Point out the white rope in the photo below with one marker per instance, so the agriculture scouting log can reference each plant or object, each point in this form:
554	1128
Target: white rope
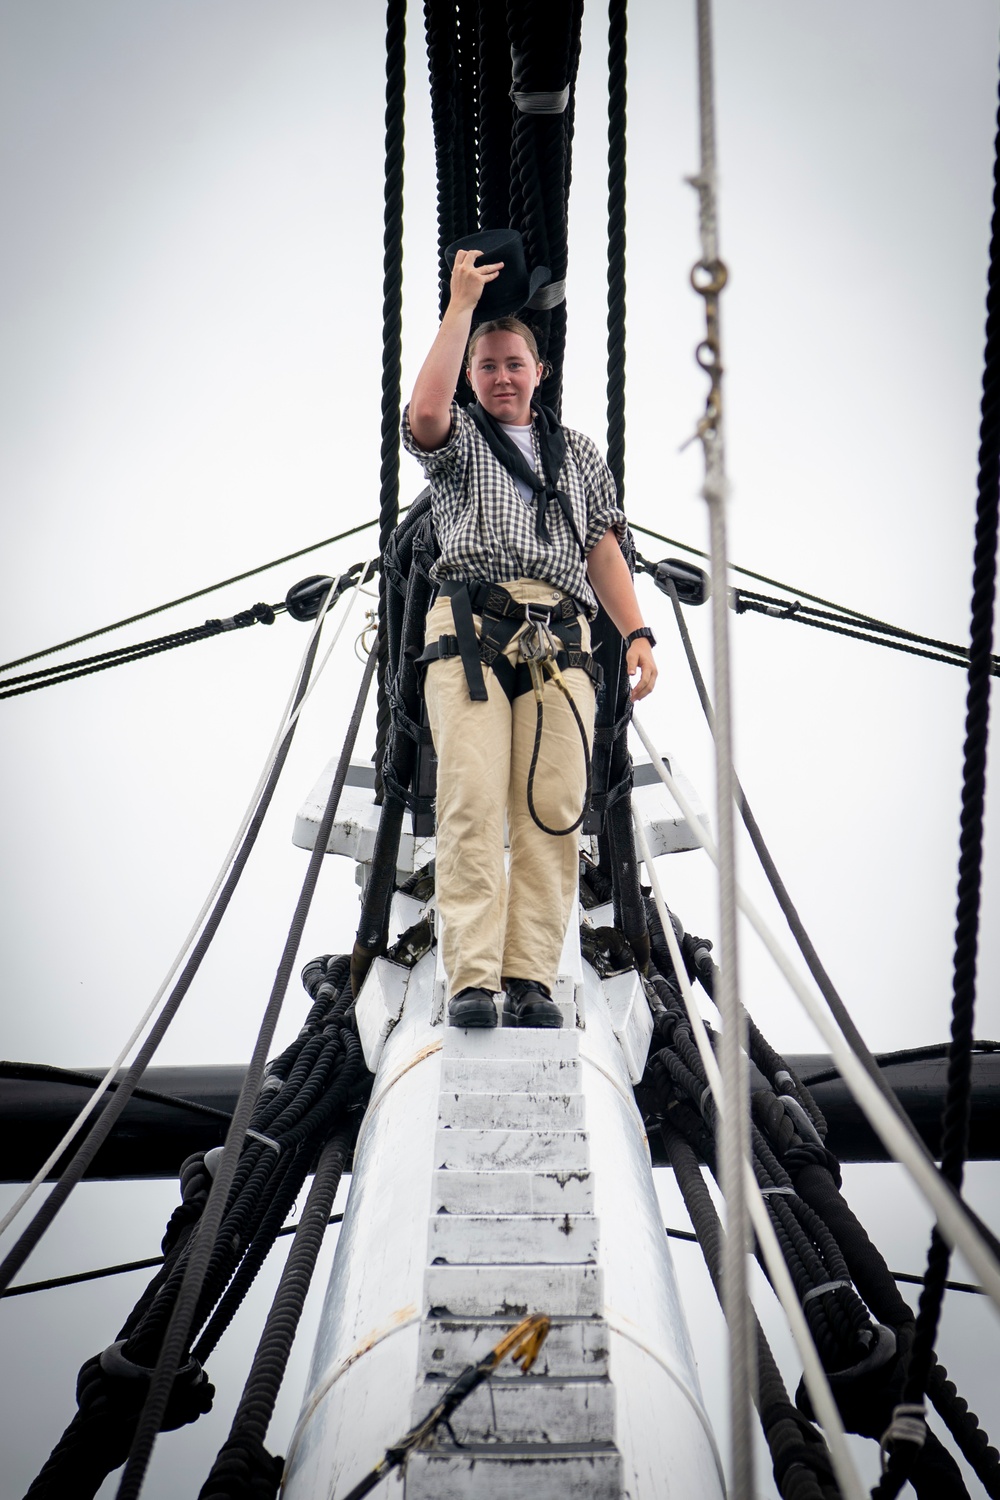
288	718
709	278
952	1219
817	1384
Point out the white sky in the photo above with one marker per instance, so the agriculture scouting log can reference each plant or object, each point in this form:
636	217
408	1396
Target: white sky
190	285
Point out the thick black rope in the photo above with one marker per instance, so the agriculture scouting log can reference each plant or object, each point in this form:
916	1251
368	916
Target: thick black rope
176	1335
392	333
108	1118
496	114
898	640
241	1461
617	102
955	1120
13	687
159	609
802	1467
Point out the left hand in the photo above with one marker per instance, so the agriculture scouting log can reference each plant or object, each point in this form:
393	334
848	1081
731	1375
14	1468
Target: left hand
639	658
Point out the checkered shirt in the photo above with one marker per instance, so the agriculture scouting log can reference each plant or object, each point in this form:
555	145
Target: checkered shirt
485	530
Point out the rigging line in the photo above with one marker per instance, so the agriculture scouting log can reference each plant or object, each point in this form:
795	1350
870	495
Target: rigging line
841	617
708	277
77	1277
123	655
952	1215
955	1117
279	748
103	1126
178	1329
763	578
743	605
789	910
158	1260
815	1376
392	342
158	609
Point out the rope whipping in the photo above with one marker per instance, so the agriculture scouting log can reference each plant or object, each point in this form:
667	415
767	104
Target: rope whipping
101	1129
175	1337
392	337
159	609
617	120
902	1448
708	278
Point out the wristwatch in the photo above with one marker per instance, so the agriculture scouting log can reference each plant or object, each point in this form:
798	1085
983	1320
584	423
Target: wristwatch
643	630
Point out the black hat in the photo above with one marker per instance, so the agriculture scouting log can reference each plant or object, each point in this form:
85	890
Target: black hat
514	288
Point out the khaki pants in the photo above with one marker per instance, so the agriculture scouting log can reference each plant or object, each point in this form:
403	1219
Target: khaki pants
492	931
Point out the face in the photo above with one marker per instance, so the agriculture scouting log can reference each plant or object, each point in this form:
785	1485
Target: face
504	377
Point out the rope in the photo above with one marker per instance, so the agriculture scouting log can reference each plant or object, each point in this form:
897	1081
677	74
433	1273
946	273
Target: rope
289	717
955	1121
176	1335
617	116
701	1053
159	609
793	1433
86	1153
901	1144
778	609
239	1460
102	1272
392	333
843	609
69	671
708	278
813	962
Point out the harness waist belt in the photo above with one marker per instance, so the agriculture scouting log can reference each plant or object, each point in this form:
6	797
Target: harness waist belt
502	616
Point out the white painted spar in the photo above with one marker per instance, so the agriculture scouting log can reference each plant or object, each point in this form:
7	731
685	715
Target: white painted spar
500	1173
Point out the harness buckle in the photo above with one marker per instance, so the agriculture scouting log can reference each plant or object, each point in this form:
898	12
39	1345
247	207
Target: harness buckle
543	615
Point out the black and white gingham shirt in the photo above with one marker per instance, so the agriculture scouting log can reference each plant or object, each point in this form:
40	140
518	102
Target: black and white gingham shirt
484	528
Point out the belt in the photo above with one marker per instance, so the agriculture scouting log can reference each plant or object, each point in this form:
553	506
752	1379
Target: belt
502	615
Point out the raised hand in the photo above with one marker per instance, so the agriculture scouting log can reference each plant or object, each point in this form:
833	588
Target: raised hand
468	279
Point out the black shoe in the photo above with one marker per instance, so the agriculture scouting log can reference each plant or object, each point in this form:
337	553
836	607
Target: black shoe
472	1008
528	1003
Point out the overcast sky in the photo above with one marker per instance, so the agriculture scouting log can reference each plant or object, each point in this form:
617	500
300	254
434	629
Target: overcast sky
190	297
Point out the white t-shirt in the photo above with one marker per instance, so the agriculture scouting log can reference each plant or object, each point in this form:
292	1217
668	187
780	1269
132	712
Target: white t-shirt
521	438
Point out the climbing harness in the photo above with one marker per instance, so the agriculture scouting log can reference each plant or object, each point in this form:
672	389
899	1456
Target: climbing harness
550	642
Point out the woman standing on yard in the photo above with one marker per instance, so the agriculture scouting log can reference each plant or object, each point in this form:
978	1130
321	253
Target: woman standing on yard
528	528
